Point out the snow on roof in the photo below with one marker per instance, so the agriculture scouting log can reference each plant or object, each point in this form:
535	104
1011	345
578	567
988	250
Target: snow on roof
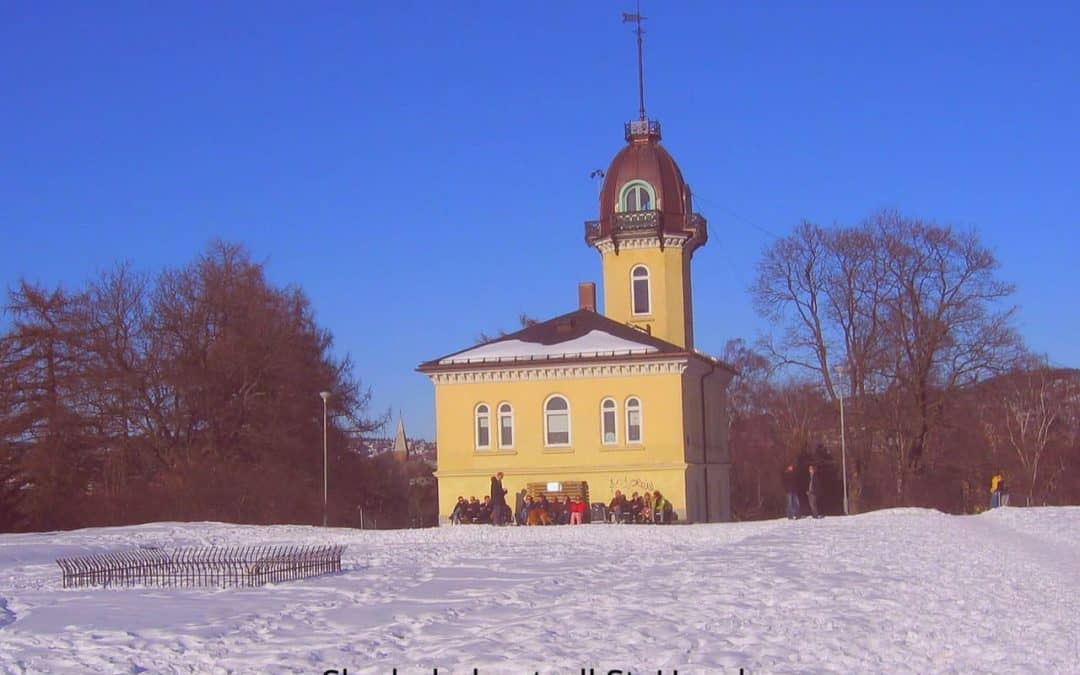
593	343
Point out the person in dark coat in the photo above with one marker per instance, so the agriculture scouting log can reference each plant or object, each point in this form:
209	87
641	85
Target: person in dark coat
460	509
484	517
498	500
791	488
637	505
618	507
520	512
813	490
472	512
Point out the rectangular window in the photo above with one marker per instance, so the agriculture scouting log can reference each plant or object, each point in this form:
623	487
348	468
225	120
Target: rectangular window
483	432
633	426
609	427
558	429
641	296
506	431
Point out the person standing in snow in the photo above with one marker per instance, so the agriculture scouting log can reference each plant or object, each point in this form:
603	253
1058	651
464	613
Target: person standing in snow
791	488
577	511
999	496
566	511
519	506
617	507
498	500
813	489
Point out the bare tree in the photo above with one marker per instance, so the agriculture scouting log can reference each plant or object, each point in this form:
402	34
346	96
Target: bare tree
1026	413
910	309
792	290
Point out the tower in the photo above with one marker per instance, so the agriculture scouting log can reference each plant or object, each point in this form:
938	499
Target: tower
647	232
401	442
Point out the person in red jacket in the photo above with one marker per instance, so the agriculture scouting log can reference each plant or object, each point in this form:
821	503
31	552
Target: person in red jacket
577	511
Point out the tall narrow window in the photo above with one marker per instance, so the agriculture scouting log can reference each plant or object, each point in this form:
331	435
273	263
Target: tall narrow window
556	421
506	426
637	196
639	283
608	419
483	427
633	420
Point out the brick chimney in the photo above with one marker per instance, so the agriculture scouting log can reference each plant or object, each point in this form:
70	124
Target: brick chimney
586	293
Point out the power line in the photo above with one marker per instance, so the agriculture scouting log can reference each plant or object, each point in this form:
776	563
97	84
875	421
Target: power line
736	216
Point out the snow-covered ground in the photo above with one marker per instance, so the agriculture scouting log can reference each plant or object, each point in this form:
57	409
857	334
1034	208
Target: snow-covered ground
906	590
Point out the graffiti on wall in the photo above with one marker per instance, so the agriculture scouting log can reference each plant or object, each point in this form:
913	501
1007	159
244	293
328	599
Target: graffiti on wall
630	484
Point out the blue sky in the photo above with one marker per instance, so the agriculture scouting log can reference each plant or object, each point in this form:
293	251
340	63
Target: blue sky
421	169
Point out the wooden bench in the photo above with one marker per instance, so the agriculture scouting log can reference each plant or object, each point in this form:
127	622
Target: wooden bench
576	489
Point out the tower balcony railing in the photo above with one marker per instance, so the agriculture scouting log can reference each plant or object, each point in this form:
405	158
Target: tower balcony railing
643	222
592	231
695	222
630	222
641	128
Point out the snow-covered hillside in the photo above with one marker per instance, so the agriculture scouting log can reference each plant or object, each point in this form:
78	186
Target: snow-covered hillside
894	591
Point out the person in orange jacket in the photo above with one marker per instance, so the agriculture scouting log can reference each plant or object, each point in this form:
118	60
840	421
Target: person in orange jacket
996	482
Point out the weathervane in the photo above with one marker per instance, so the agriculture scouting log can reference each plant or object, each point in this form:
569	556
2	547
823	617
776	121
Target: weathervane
637	18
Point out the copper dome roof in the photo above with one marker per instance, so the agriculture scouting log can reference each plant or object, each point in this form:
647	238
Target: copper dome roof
644	159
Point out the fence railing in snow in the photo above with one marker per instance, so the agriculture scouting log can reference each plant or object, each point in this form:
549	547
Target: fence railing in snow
200	567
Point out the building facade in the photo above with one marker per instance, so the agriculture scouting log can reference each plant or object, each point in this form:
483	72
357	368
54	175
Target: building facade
618	400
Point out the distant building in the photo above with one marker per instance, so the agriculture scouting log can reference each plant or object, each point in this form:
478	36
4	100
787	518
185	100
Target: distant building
619	400
401	444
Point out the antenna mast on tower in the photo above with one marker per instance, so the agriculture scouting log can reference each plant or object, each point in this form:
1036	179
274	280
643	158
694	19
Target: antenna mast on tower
637	18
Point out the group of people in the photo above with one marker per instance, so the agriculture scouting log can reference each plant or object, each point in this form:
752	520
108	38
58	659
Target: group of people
492	510
644	508
544	511
472	510
792	489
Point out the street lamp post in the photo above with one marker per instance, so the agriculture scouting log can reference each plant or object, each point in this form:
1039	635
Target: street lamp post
326	395
843	443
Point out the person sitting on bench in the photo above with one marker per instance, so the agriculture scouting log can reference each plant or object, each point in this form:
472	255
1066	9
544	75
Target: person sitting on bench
662	508
540	514
637	504
459	511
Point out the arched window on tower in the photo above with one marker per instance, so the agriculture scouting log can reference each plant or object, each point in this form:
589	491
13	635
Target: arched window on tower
637	195
483	427
556	422
640	290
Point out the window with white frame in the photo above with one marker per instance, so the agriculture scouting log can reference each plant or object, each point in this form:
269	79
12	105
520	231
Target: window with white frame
483	427
633	420
637	195
609	416
506	426
641	290
556	421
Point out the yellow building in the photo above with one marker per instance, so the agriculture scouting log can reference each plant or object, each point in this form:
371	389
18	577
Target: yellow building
618	400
